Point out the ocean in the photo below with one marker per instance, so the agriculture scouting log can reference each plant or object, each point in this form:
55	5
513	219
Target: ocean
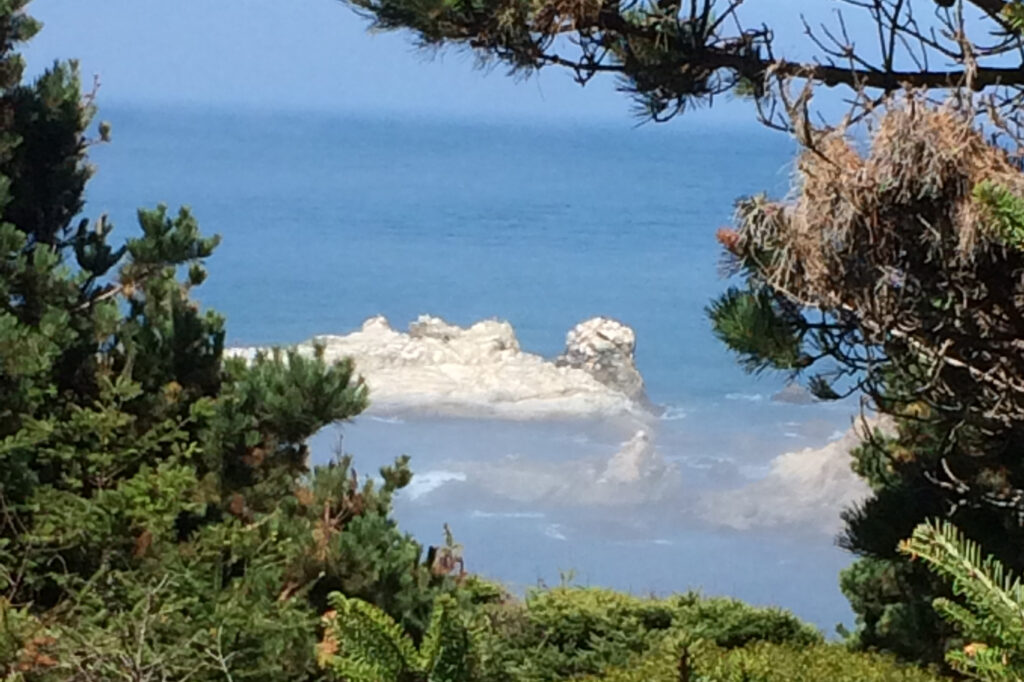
330	219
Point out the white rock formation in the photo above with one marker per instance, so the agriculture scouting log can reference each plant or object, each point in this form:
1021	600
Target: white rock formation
439	368
804	489
605	348
636	461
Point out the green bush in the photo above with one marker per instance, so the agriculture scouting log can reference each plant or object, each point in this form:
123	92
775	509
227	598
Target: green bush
593	634
675	661
567	631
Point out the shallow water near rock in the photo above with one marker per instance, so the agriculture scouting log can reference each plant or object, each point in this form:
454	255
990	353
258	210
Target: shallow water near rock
525	501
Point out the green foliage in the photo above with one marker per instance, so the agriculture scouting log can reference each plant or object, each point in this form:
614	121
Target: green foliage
686	660
989	609
896	267
1013	11
892	596
1006	212
572	633
594	634
564	632
749	324
159	516
363	644
893	602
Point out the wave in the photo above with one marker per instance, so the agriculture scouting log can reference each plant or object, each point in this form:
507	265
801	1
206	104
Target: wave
429	481
806	488
749	397
477	514
673	413
385	420
554	531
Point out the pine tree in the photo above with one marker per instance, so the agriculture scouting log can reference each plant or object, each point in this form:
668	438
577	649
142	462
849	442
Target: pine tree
672	57
158	515
895	274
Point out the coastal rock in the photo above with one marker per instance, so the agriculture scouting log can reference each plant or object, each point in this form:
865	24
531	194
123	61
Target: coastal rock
605	348
803	489
794	394
636	461
635	475
480	370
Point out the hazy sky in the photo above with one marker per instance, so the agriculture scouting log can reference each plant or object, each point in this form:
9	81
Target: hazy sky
306	54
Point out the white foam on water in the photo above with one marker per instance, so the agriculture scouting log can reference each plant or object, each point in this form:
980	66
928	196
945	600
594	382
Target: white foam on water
749	397
673	413
478	514
429	481
554	531
805	489
384	420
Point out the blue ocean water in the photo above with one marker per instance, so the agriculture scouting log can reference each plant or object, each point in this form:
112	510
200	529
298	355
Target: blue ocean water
328	220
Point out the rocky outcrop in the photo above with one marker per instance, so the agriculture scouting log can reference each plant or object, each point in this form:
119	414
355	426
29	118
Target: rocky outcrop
804	489
637	461
794	394
605	348
635	475
480	370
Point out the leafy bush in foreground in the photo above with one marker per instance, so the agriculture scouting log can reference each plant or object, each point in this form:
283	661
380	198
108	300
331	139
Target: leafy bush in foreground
564	633
567	631
674	661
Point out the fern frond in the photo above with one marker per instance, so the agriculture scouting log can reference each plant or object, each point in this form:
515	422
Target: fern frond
984	582
445	649
984	663
969	625
364	644
371	646
993	616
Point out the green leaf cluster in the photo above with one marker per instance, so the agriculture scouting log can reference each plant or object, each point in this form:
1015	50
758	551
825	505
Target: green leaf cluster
988	608
748	322
363	644
1006	212
686	660
566	632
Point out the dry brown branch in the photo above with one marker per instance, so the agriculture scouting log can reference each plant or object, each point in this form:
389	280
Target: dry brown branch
893	246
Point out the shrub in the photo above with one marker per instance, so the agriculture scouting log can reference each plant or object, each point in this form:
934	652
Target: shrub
676	661
567	631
